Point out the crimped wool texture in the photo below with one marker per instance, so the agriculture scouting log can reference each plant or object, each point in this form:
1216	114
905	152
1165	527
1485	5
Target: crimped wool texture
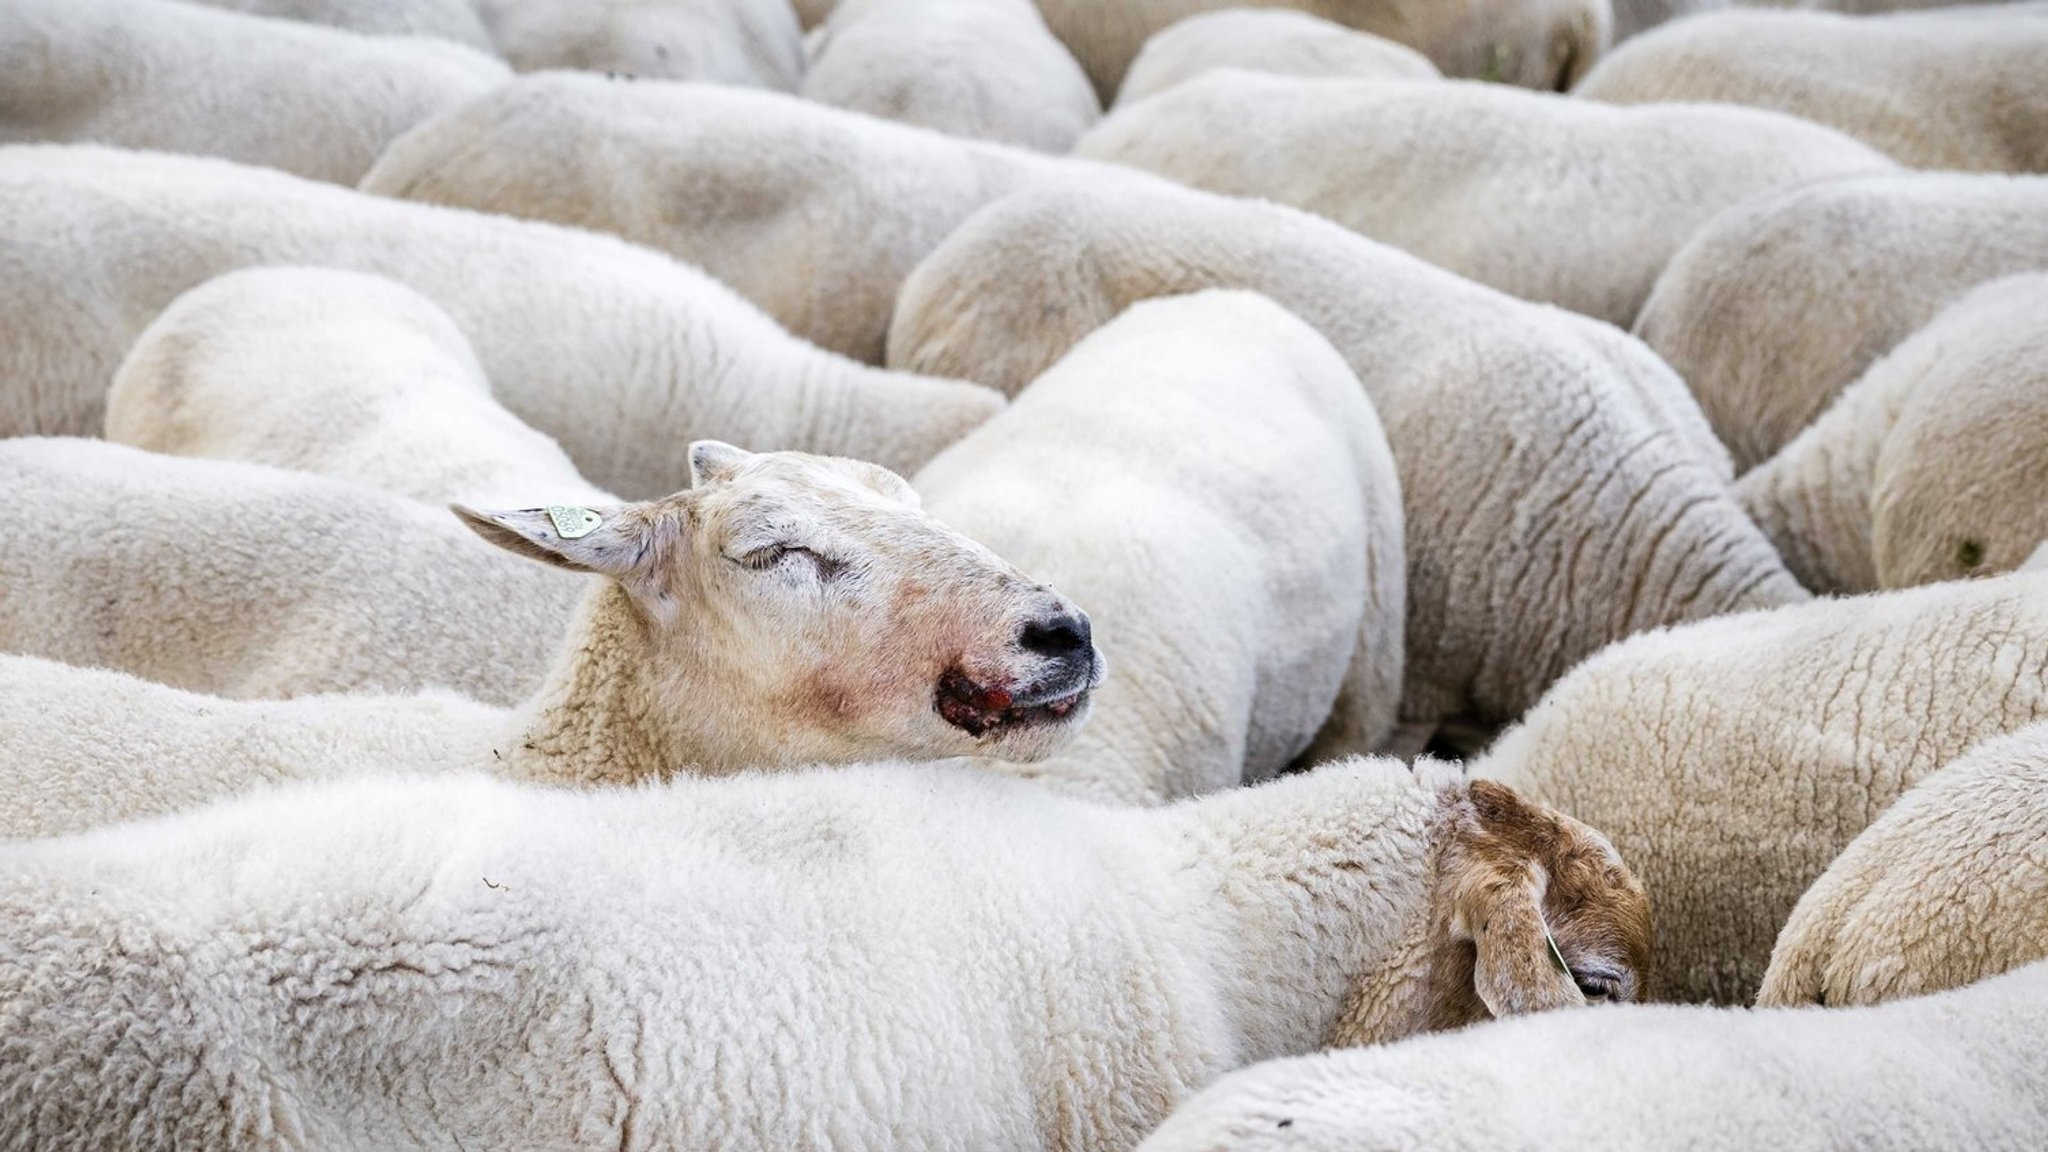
1930	467
1551	199
748	43
1532	43
1778	305
1934	91
986	69
340	373
245	581
1560	488
1949	886
621	355
1958	1070
1279	41
1206	476
814	213
880	958
317	102
1733	760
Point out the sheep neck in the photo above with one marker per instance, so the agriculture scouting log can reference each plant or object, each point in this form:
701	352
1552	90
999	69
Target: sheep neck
597	719
1332	925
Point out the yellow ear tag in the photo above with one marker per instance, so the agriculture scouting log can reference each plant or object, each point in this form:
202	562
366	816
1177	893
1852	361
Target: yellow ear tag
572	523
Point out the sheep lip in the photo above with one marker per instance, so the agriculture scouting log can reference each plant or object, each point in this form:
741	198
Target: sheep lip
981	711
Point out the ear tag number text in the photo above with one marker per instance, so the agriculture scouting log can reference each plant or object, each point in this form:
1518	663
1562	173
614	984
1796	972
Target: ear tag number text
572	523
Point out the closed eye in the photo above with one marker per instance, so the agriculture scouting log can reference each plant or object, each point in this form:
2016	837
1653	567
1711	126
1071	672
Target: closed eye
1598	986
762	559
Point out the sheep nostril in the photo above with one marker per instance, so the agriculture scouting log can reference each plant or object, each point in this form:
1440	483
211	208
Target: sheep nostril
1062	635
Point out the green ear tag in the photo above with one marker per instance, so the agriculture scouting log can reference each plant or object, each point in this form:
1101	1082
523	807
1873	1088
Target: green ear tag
1556	956
572	523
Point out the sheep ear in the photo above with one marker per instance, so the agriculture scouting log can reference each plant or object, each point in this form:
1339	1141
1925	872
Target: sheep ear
1499	887
1519	968
712	461
613	542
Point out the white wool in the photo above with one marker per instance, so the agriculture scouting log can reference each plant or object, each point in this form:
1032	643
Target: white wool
443	19
1206	476
1733	760
750	42
1634	17
1560	488
986	69
1959	1070
1961	92
814	213
1928	468
884	957
1949	886
1532	43
339	373
621	355
244	581
1280	41
1467	175
755	43
785	610
313	101
1777	305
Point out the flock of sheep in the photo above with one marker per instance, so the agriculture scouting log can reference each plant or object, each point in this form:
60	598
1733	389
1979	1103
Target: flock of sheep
477	675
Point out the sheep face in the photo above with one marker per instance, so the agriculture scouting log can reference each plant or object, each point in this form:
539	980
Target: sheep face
831	618
1533	911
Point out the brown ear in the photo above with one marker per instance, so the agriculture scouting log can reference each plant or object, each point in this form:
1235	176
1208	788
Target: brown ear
1518	968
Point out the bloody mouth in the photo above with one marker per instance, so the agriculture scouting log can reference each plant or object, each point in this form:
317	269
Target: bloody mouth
978	711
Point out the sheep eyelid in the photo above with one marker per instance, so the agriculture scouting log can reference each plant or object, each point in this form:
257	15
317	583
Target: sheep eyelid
764	558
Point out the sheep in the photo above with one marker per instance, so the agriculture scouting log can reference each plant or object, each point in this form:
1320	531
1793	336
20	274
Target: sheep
1532	43
878	957
755	43
1966	93
1277	40
813	213
749	42
245	581
1931	467
1779	304
986	69
1559	487
313	101
1205	474
334	372
1444	171
1732	760
454	20
1632	18
1960	1070
619	354
785	610
1949	886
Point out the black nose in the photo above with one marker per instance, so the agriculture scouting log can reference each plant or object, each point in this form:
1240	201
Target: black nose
1063	635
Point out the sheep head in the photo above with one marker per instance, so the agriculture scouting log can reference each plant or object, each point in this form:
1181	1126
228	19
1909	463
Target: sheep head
804	609
1533	910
